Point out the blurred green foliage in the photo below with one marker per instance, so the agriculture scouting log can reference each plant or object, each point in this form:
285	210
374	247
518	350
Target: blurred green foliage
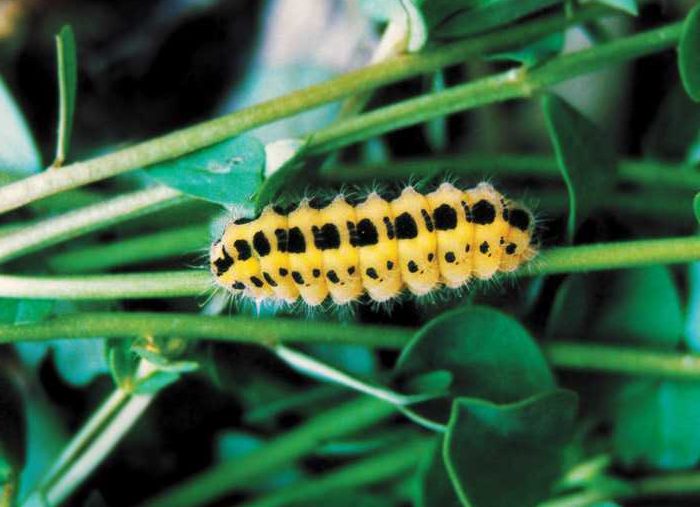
489	423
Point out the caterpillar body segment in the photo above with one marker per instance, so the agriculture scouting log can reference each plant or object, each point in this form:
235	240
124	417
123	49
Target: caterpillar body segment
339	251
378	249
270	244
454	235
305	256
341	256
415	235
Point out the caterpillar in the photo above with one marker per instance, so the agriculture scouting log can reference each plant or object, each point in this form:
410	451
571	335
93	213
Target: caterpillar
341	250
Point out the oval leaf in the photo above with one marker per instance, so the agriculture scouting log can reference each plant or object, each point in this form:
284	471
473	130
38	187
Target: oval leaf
226	173
689	54
520	445
434	485
696	206
585	159
488	355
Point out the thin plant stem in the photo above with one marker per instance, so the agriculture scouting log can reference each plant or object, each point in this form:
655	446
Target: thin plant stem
604	256
236	474
236	328
93	442
516	83
83	220
636	172
574	259
104	441
170	243
134	285
369	471
271	331
199	136
674	484
86	433
623	360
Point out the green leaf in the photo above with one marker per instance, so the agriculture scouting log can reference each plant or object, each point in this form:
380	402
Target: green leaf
585	158
18	153
505	455
571	309
628	6
696	206
67	89
227	173
675	128
437	381
534	53
155	382
434	484
642	307
656	424
123	363
689	54
489	355
461	18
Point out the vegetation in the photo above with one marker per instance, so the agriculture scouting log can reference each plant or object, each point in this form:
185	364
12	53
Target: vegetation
125	380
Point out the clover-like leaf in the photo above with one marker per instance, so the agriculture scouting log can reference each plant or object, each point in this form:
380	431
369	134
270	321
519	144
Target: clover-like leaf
485	353
521	445
227	173
585	158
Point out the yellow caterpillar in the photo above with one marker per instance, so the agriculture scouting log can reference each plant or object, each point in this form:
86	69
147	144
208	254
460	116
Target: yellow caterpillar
378	247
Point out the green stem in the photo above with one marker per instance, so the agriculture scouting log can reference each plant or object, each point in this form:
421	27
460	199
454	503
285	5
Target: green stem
148	247
130	286
622	360
199	136
672	484
636	172
83	220
269	331
629	254
575	259
516	83
237	474
352	477
236	328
